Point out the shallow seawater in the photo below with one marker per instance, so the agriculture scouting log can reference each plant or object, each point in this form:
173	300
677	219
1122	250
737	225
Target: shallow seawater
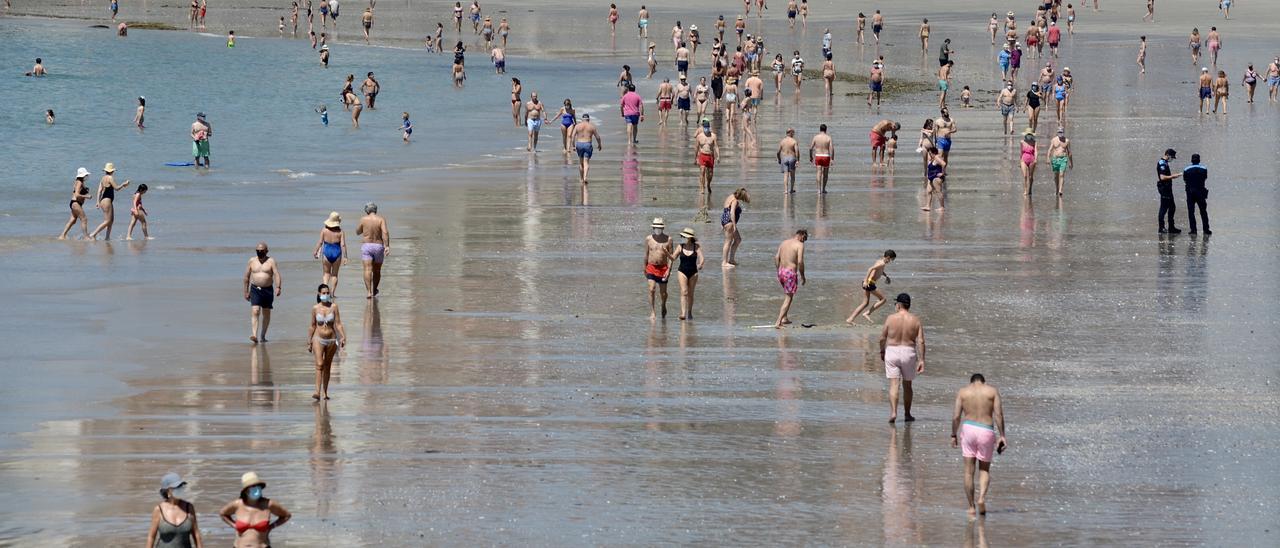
508	387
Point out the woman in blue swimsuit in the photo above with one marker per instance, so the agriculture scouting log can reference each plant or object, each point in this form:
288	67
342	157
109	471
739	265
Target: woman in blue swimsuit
568	117
332	246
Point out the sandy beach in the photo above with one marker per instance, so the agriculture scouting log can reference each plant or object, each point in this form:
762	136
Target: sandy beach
507	387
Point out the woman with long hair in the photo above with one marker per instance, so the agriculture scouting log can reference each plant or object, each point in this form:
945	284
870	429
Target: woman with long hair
729	218
324	338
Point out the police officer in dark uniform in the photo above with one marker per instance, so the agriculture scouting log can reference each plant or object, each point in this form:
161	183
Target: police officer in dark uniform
1164	185
1195	176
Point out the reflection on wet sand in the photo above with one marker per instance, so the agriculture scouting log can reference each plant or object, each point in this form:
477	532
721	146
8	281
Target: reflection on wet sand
900	486
262	391
325	469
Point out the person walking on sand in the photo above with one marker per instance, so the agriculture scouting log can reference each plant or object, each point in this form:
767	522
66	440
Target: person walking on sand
1164	186
79	193
325	336
689	259
1206	91
138	214
977	428
657	265
250	514
632	108
822	152
534	117
1215	44
1059	158
642	21
1008	100
665	99
1250	81
789	260
262	284
902	349
173	522
729	217
707	147
1028	161
875	82
367	20
107	188
333	247
374	247
582	133
788	153
201	131
1194	177
869	288
1221	87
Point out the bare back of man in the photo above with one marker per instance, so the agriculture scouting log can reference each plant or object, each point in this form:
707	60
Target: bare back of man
977	427
902	348
376	244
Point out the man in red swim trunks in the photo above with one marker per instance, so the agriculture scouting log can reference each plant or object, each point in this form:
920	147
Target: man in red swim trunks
821	152
657	265
708	149
790	263
666	92
879	136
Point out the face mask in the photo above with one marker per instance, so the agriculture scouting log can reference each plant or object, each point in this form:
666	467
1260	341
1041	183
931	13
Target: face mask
179	492
706	130
262	255
326	298
255	493
657	231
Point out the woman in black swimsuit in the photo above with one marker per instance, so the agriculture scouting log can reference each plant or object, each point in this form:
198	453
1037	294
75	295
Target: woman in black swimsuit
729	217
79	193
688	257
107	188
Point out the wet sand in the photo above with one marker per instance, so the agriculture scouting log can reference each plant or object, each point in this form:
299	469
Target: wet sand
507	389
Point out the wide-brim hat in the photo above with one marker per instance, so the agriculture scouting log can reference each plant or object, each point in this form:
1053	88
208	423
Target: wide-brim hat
250	479
334	220
688	233
658	223
82	173
109	168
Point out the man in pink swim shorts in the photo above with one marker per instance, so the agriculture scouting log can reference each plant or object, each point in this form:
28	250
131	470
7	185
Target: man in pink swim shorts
789	261
977	418
374	248
902	350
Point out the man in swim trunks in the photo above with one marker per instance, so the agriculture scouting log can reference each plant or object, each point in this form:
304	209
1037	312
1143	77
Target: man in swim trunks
755	85
533	119
977	427
1273	78
943	128
707	147
1059	156
1007	100
902	349
200	133
788	152
877	25
944	83
879	137
582	133
822	151
643	22
375	247
260	277
875	82
665	95
1164	186
869	288
682	59
683	103
367	20
1206	91
789	261
657	264
632	108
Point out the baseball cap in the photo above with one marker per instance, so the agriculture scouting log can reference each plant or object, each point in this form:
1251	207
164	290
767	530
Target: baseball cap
171	481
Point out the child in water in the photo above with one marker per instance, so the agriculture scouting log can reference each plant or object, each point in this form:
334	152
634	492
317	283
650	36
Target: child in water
965	97
323	111
231	38
406	126
891	149
139	214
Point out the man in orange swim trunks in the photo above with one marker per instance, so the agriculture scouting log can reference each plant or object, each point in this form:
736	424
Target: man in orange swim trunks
821	152
708	148
657	264
879	137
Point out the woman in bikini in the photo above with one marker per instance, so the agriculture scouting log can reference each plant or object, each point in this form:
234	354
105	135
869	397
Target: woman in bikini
926	142
516	88
333	247
613	18
79	193
324	338
173	521
688	258
250	514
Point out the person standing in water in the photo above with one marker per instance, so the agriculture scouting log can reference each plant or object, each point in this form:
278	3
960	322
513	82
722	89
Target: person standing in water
658	249
582	134
370	88
262	284
977	428
332	246
1059	158
79	193
324	337
374	247
880	137
788	153
107	188
689	259
632	109
568	117
822	152
139	116
138	214
707	147
250	514
902	349
789	260
356	107
729	217
534	116
869	288
200	133
173	521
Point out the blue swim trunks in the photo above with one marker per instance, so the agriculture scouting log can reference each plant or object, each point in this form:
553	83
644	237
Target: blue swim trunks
584	149
944	143
633	119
